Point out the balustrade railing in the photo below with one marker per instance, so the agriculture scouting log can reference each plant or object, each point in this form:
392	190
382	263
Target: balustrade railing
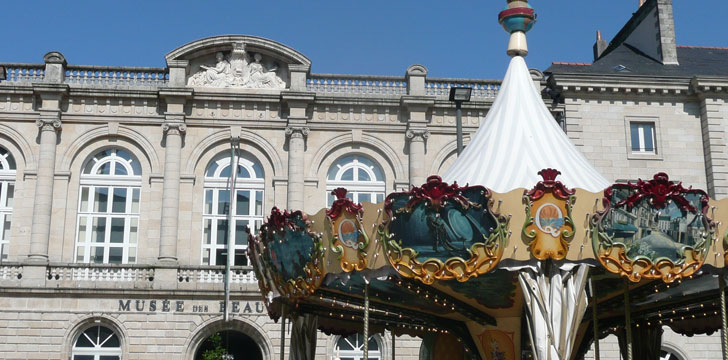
100	272
215	274
23	73
11	272
105	76
356	84
487	89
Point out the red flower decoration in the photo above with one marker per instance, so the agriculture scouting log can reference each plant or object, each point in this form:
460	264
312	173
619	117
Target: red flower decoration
659	190
342	203
437	192
549	183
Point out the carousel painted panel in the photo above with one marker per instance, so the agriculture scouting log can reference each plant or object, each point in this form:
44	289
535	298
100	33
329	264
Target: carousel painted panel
442	232
653	229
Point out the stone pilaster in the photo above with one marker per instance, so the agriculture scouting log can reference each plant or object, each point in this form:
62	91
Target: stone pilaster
296	148
296	132
417	168
174	128
713	124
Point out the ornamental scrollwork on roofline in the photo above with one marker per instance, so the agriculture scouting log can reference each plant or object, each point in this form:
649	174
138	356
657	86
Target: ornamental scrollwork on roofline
240	69
653	229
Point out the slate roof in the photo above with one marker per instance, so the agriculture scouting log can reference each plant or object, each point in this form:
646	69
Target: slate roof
694	61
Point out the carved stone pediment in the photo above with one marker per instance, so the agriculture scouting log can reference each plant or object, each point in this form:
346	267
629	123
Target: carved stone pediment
240	62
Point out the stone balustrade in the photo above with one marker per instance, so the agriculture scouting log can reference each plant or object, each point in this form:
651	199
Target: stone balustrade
100	272
11	271
215	275
105	76
482	89
23	73
356	84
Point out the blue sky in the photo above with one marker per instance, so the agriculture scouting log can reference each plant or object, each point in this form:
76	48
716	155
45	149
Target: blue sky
453	38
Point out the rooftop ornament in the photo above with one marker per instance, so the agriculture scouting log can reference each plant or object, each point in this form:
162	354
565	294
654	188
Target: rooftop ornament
518	19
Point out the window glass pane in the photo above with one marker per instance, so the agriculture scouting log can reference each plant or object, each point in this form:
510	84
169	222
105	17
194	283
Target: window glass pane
98	229
649	131
330	200
241	236
350	195
5	231
83	357
135	200
222	231
133	230
132	255
83	341
101	196
80	253
117	230
258	170
220	256
108	357
365	197
118	204
206	257
225	173
84	199
380	198
363	175
211	169
223	202
119	169
208	202
115	255
241	259
3	251
259	203
373	344
243	173
136	167
82	224
348	175
635	133
207	231
242	205
104	169
9	200
97	254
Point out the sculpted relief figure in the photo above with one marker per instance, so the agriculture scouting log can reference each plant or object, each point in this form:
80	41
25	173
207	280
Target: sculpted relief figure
238	71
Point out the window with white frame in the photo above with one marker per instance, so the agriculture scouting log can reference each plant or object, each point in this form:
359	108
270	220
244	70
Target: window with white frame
247	207
97	343
352	348
108	210
361	177
642	136
7	193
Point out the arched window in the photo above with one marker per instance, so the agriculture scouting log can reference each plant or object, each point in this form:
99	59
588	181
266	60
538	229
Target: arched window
7	193
247	209
352	348
97	343
362	177
667	354
108	210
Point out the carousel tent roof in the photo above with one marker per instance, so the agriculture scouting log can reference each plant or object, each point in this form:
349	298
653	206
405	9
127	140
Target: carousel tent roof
518	138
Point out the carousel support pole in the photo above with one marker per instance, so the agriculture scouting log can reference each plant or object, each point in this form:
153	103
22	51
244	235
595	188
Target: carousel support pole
393	353
283	331
627	320
366	320
723	318
594	320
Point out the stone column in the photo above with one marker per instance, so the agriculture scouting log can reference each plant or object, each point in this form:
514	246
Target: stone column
173	129
50	94
49	123
417	172
296	147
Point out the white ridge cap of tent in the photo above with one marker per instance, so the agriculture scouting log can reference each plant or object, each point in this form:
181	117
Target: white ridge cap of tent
519	138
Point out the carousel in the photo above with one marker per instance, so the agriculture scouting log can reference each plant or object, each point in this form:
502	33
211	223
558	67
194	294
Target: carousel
521	251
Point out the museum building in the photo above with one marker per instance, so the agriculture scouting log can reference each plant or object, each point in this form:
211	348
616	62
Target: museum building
115	200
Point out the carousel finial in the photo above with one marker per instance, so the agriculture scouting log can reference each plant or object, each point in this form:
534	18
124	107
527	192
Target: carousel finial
518	18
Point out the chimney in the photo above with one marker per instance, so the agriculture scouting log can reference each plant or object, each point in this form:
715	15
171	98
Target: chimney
667	32
599	46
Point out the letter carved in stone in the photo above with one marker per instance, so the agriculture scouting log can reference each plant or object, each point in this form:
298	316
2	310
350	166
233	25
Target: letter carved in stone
240	70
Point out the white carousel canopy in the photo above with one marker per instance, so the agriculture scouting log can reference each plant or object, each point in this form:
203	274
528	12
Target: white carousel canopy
518	138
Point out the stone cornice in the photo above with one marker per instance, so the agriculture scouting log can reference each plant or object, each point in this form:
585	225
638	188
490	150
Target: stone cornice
410	101
293	96
611	84
185	93
710	85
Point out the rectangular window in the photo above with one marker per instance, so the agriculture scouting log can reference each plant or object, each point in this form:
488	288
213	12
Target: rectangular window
642	136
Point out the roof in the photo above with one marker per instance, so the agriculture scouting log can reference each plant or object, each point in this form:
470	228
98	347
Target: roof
518	138
694	61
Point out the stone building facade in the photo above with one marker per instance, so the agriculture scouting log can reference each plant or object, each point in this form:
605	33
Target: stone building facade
115	188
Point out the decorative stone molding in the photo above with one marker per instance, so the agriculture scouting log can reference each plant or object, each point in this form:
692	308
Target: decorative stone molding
49	122
297	131
417	134
174	128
